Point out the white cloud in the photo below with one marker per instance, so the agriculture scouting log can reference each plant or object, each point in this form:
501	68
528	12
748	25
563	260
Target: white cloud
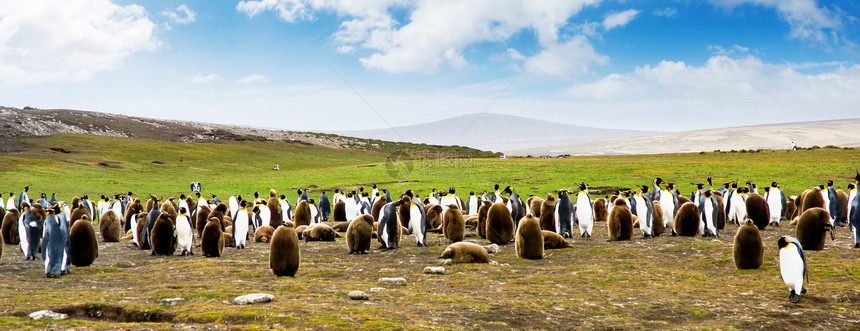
201	79
345	49
726	91
665	12
68	40
181	15
437	31
515	55
574	56
808	21
252	79
619	19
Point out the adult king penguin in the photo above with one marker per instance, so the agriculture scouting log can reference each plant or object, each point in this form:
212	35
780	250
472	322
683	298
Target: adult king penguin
792	266
515	205
775	198
564	214
854	209
389	227
835	210
645	212
53	244
325	204
184	234
668	202
584	211
417	219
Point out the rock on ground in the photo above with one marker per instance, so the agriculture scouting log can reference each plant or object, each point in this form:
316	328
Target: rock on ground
47	314
358	295
392	281
253	298
434	270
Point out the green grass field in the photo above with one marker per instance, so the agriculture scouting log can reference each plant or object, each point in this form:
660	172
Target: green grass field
665	282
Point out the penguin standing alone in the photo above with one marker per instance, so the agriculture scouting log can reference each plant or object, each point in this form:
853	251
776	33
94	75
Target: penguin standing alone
775	198
792	266
584	211
184	234
325	206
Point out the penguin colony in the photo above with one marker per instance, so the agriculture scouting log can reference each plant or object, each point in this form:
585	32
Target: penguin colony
63	235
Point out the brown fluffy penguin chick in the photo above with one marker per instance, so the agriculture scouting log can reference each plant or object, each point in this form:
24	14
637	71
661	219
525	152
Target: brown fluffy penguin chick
277	215
339	212
483	210
300	230
471	222
812	199
342	226
620	222
500	225
359	233
83	242
219	213
657	227
529	239
721	215
790	208
843	206
375	209
302	215
10	227
687	220
162	239
453	224
109	226
434	216
202	218
547	213
141	225
600	211
264	234
748	248
77	214
552	240
812	228
319	232
535	204
466	252
284	255
169	208
758	211
212	241
682	200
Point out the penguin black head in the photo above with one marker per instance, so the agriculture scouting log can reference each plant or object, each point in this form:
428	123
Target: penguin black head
349	195
658	180
353	192
197	194
26	188
710	182
385	190
508	189
583	186
410	194
181	196
708	193
214	196
361	188
850	186
735	184
243	204
644	188
336	191
471	193
829	183
256	195
299	191
726	185
745	190
699	186
857	177
263	202
374	186
773	184
282	197
311	201
86	196
365	194
782	242
238	197
451	190
426	201
44	195
129	193
182	210
497	186
821	187
767	189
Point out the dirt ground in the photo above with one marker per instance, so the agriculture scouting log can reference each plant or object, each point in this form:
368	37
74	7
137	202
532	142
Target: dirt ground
663	282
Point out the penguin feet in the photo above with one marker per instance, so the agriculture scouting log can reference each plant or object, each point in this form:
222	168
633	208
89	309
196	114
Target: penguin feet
794	297
646	236
420	244
839	224
774	224
803	291
582	235
588	235
66	272
51	275
857	245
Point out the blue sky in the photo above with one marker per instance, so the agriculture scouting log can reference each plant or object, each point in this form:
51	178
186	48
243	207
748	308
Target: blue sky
668	65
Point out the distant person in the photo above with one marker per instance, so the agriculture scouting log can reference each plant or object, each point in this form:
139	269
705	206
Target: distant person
193	187
793	146
199	187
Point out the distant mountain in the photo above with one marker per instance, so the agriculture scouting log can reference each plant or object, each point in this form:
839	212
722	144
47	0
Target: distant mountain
841	133
495	132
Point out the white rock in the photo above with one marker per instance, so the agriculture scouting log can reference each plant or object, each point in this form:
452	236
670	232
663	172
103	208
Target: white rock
358	295
446	261
494	263
172	301
392	281
377	289
253	298
493	248
434	270
47	314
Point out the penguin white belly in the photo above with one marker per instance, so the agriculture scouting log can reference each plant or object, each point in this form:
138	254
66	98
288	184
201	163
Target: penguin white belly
22	234
826	197
473	205
557	220
739	208
266	215
642	214
584	214
10	204
667	203
415	223
774	203
184	204
352	210
791	268
117	209
234	206
240	228
133	224
102	207
510	208
184	237
286	213
709	220
314	213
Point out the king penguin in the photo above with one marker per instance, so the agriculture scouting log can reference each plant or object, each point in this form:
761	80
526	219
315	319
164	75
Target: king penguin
775	198
417	219
668	202
710	210
389	227
645	212
835	210
240	226
53	244
564	214
515	205
792	266
325	204
184	234
584	211
472	204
